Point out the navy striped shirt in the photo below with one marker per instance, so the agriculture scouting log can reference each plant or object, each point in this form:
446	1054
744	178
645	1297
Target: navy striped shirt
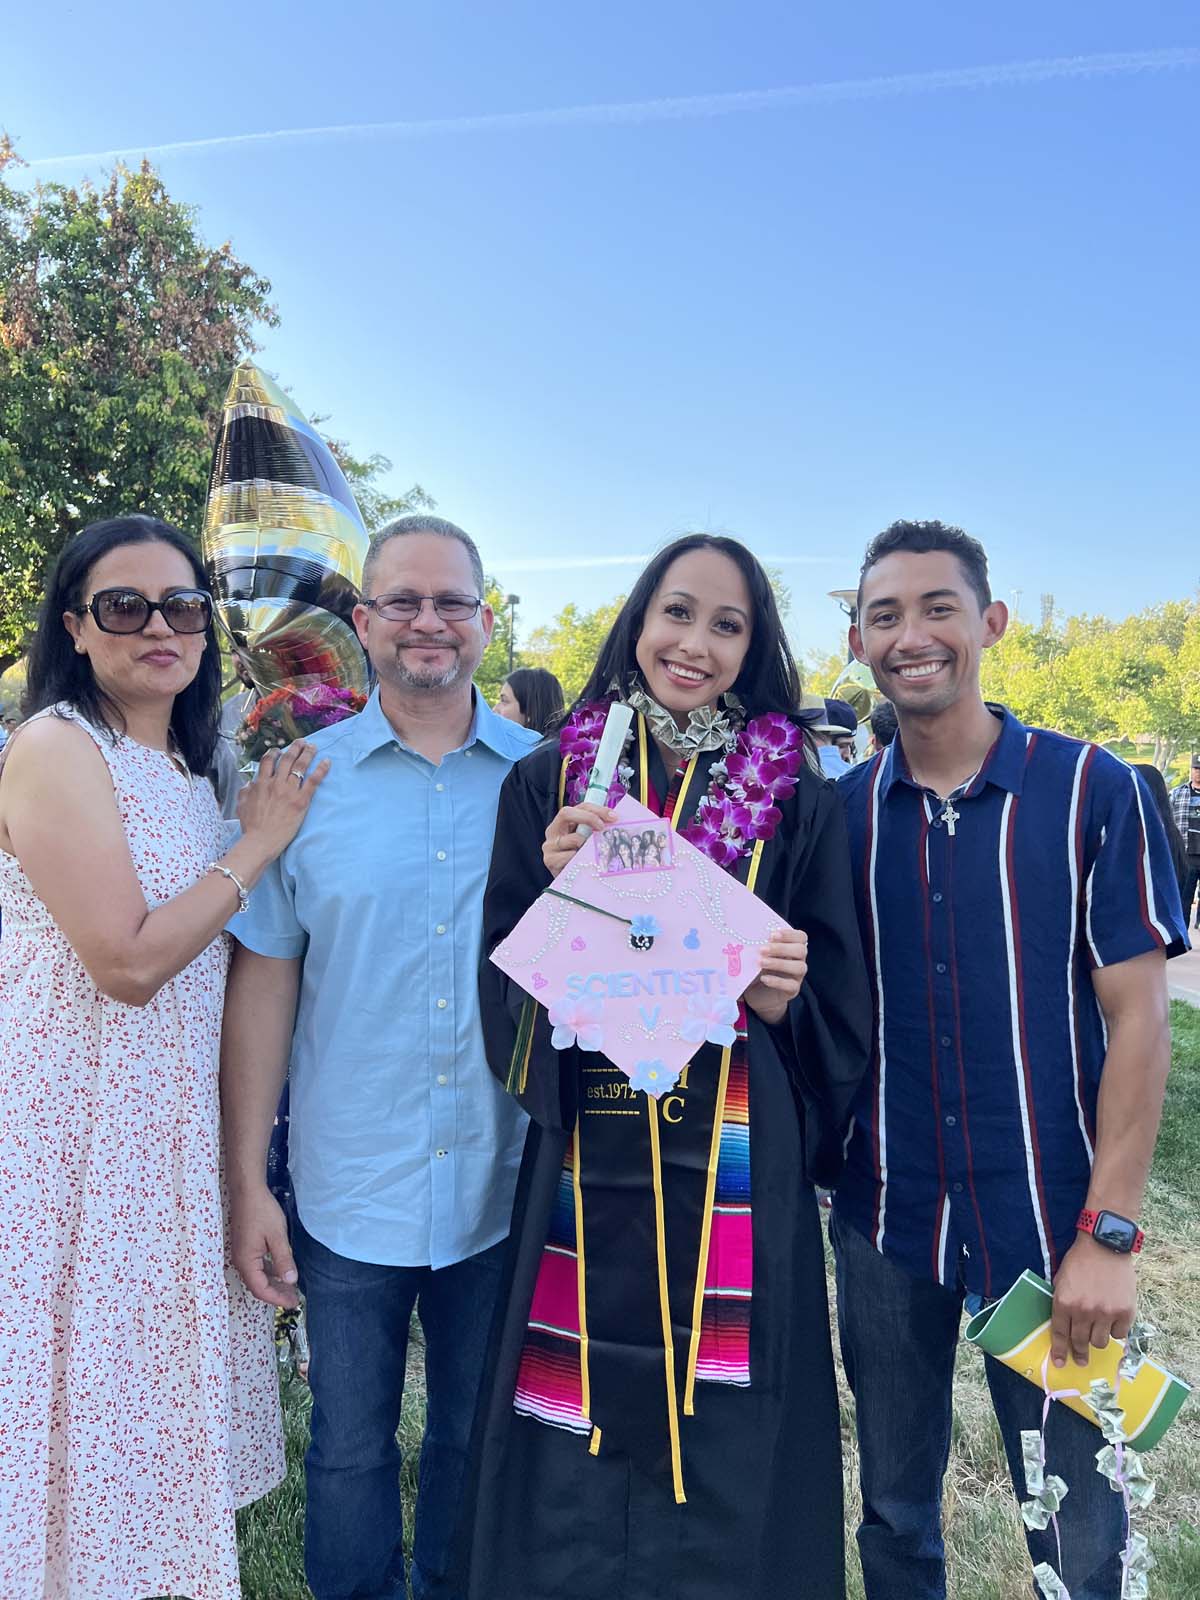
972	1141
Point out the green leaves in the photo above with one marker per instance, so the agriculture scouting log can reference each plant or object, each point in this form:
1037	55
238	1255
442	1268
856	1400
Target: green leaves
1104	680
119	327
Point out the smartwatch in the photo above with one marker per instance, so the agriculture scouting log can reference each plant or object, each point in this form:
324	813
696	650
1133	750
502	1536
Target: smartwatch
1113	1231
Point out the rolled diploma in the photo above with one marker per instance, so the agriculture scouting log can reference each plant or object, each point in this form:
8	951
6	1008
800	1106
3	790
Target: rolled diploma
608	753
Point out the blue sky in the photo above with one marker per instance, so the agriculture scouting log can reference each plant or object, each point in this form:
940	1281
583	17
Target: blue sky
926	296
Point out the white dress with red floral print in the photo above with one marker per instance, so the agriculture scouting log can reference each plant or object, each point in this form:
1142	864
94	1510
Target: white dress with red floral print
138	1396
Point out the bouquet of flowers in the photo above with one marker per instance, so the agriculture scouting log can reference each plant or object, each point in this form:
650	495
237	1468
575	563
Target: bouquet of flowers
294	712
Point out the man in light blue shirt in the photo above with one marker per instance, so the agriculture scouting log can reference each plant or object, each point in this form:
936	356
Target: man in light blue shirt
358	961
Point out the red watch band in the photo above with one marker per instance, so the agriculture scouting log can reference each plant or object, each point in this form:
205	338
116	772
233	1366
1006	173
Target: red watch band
1087	1224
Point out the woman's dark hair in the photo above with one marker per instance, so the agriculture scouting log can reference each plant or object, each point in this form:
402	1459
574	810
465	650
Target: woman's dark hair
1157	785
768	680
58	672
539	695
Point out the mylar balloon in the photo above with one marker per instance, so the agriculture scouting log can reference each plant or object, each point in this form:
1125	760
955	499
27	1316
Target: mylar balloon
284	542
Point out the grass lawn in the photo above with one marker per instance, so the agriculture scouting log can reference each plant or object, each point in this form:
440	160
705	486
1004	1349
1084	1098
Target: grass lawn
983	1529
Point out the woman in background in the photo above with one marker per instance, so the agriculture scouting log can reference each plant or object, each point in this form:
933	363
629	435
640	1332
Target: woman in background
1157	785
533	697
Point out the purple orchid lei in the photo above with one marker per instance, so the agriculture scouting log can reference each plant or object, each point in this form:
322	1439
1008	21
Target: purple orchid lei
740	806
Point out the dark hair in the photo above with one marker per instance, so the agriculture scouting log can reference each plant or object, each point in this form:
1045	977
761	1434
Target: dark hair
57	672
883	723
1157	785
768	680
539	695
922	537
421	522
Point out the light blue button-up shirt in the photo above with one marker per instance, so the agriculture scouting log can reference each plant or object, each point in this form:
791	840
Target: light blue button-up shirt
403	1147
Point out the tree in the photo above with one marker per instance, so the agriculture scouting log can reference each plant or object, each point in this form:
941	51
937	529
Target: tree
119	328
1110	681
493	669
820	669
568	647
376	505
12	689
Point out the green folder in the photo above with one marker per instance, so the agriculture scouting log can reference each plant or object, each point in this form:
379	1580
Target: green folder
1016	1331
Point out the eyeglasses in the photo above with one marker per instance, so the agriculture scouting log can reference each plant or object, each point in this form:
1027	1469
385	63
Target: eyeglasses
407	607
128	611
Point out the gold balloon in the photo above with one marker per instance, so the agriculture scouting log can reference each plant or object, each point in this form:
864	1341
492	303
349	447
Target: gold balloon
284	542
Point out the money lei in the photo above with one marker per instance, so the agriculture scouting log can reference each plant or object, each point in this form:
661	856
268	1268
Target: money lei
1122	1466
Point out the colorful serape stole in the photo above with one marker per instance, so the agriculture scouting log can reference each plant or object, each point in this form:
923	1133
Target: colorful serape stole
549	1384
550	1378
724	1353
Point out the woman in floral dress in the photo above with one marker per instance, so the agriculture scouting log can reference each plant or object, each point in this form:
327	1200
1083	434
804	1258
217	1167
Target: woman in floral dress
615	1463
138	1401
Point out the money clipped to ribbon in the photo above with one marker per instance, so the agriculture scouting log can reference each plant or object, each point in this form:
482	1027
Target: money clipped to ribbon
640	949
283	542
1016	1331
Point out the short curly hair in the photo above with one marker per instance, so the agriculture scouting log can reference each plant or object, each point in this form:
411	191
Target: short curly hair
921	538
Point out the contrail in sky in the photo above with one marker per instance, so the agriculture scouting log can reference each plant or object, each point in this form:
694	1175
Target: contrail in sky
582	563
631	113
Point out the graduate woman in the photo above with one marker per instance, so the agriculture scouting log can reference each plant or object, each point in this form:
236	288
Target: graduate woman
612	1462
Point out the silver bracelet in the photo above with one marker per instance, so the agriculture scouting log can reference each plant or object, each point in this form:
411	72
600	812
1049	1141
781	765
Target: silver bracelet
243	893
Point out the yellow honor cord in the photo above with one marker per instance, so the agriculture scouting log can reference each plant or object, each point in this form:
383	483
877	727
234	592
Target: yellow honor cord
665	1304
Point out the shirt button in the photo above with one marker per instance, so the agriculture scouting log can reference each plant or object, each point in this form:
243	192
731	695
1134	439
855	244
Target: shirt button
941	967
441	1154
950	1121
442	1078
944	1041
957	1186
441	1005
937	899
439	787
441	928
441	855
468	754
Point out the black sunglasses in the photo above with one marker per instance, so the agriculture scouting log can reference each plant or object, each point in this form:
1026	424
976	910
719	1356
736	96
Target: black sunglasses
128	611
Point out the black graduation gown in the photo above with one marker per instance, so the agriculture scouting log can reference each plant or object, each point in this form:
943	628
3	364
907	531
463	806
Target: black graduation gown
763	1515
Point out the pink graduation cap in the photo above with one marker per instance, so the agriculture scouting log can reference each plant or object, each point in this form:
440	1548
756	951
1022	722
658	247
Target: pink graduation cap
640	949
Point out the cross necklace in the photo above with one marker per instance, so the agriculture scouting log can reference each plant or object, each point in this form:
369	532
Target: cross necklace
949	816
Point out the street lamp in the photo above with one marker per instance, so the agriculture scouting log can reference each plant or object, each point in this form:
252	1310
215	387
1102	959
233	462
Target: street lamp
848	600
512	601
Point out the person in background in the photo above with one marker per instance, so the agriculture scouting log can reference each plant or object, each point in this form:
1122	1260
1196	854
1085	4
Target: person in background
1017	905
532	697
358	963
1185	808
1157	785
138	1395
833	734
883	726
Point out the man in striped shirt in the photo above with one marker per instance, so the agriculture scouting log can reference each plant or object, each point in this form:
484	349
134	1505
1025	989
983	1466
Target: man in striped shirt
1017	904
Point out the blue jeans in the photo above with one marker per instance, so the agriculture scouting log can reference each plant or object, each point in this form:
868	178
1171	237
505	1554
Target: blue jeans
898	1335
358	1318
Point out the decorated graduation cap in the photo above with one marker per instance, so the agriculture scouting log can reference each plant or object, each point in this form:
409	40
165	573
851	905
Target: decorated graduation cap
640	949
284	542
